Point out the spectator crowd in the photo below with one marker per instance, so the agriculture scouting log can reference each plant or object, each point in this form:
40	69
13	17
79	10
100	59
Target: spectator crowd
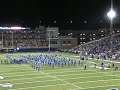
103	45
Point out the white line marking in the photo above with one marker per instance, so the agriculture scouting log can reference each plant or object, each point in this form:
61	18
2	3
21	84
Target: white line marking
97	81
102	86
58	75
76	56
37	86
62	80
65	84
69	71
41	74
50	72
20	72
65	69
36	81
12	67
25	75
86	77
74	74
48	76
65	79
96	87
23	70
24	78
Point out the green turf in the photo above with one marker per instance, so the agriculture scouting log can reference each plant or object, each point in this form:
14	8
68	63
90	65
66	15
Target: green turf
24	77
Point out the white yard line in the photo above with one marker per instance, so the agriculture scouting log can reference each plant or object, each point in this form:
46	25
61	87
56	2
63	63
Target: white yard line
55	80
12	67
24	75
74	68
23	67
74	74
68	71
44	74
35	82
63	69
86	77
60	75
24	70
24	78
51	75
37	87
97	81
40	73
62	80
102	86
61	72
18	72
96	72
76	56
73	84
97	87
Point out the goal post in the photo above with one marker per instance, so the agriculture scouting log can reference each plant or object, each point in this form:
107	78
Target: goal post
7	36
7	40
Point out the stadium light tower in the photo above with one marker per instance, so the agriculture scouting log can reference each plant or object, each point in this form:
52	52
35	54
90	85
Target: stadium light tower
49	41
48	34
111	15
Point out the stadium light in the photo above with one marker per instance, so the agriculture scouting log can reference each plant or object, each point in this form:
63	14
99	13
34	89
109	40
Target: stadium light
111	14
13	28
49	41
54	21
18	48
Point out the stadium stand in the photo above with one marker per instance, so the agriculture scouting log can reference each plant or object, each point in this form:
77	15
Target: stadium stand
102	45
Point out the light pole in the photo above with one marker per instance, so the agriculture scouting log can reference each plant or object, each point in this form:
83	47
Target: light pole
111	14
49	41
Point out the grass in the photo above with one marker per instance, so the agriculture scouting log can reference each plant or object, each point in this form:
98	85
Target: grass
24	77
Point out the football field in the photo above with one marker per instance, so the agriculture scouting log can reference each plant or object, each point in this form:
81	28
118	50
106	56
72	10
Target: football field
23	77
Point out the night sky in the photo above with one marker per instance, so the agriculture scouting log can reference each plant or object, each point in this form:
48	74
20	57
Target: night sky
84	14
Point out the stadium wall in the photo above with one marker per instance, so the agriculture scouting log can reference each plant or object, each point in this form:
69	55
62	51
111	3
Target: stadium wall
28	50
35	49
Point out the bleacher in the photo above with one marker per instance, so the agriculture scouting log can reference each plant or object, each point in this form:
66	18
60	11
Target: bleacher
102	45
